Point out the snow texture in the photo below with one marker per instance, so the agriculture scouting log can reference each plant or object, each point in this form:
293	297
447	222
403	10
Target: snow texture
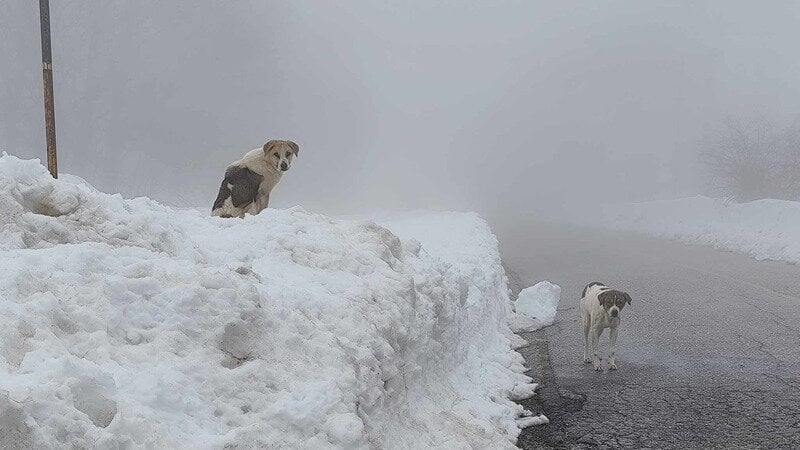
526	422
763	229
126	323
536	307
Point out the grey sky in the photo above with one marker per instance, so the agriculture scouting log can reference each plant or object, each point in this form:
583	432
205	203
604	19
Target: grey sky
500	107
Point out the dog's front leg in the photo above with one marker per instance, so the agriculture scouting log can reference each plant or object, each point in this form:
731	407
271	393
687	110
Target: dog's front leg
251	209
258	205
264	203
595	333
612	349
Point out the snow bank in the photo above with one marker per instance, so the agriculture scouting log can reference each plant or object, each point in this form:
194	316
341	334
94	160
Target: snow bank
764	229
128	323
536	306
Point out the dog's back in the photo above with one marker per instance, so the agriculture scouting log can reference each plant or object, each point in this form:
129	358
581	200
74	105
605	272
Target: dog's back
591	285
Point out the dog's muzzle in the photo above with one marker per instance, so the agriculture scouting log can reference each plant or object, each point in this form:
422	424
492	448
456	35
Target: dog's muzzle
614	313
284	167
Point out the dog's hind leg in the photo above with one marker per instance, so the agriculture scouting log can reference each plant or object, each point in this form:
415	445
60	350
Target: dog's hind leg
612	349
586	327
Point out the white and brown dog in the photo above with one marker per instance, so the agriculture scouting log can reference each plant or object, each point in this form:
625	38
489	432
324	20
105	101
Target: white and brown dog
249	181
600	308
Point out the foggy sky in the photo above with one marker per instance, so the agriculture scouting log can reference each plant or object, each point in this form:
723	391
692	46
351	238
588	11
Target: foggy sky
506	108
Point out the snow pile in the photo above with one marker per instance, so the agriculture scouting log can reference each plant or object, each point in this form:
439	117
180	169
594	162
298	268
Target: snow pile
764	229
128	323
536	307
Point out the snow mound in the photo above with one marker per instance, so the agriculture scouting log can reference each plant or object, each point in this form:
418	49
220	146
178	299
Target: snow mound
536	307
764	229
125	323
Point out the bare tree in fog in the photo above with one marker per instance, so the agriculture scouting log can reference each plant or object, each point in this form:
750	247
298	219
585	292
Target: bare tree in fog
755	159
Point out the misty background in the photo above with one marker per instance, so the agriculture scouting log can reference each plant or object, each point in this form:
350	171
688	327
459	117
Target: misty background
508	108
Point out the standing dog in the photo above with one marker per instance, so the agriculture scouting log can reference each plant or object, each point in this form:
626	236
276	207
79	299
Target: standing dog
600	308
249	181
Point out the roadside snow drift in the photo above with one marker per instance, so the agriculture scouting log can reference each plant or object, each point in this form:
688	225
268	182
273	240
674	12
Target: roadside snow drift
764	229
128	323
536	307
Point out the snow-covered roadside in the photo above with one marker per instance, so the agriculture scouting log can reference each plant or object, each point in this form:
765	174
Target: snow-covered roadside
764	229
125	322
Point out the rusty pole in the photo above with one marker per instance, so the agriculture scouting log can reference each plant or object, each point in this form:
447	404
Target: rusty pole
47	75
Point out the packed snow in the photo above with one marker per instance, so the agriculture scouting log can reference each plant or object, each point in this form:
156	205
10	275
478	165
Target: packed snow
129	323
536	307
763	229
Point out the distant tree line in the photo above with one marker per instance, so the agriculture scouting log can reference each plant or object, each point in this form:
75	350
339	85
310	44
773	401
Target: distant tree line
751	160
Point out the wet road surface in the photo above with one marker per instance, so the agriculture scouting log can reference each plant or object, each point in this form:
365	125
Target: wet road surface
708	351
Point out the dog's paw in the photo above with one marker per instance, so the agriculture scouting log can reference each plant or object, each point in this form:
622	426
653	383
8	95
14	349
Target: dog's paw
612	366
598	367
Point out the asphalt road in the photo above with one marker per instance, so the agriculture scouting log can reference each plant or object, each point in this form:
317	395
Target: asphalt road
708	352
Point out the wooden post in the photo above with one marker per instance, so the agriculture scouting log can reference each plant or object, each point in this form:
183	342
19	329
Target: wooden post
47	75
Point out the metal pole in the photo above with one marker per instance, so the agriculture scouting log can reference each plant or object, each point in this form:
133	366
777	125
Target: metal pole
47	75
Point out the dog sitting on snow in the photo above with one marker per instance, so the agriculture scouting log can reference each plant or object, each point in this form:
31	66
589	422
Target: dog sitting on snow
600	308
249	181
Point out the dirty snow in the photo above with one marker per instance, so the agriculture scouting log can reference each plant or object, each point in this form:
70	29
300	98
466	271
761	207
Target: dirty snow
129	323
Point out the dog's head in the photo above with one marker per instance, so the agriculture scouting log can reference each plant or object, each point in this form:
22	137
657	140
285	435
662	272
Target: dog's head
280	153
613	301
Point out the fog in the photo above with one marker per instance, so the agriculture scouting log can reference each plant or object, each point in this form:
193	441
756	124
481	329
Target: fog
511	109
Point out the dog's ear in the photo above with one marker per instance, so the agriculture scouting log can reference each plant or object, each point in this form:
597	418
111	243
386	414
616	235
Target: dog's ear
268	146
626	297
601	297
295	148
